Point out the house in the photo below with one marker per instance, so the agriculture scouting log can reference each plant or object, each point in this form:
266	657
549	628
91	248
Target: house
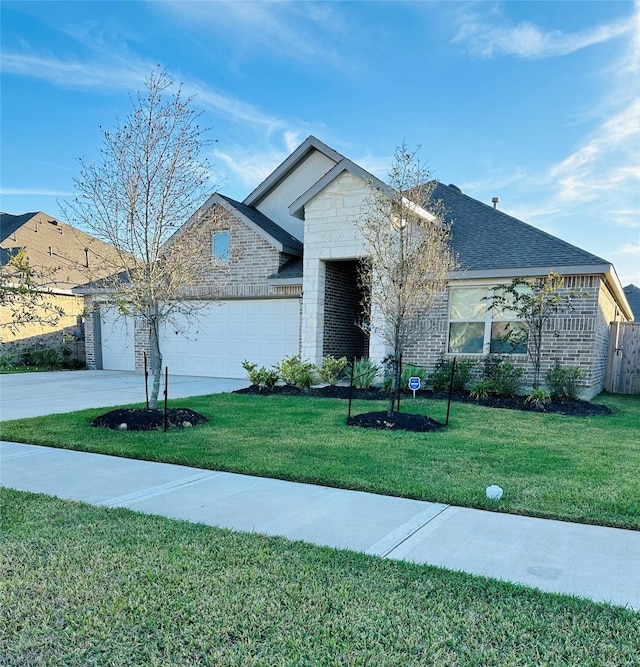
293	288
633	297
63	257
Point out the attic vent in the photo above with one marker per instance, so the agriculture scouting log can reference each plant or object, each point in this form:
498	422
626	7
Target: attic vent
456	188
495	201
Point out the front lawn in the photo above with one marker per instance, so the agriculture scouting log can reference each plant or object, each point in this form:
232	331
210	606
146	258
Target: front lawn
89	586
582	469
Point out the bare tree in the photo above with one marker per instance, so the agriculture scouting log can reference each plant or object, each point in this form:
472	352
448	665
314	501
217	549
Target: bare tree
147	181
409	259
25	293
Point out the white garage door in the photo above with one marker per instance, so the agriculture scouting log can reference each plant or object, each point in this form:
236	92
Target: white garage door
224	334
117	341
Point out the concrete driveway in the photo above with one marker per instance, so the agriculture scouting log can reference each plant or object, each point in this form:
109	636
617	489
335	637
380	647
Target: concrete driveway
35	394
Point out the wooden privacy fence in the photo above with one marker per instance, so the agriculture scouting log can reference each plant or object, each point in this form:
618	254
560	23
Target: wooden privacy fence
623	361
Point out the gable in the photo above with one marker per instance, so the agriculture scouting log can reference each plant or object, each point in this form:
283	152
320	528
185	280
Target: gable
304	167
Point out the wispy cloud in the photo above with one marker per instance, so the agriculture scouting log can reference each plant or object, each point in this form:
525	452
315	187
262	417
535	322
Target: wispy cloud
129	74
629	249
608	161
492	34
288	28
33	192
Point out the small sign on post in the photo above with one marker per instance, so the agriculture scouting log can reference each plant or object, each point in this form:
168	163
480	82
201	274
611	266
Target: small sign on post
414	385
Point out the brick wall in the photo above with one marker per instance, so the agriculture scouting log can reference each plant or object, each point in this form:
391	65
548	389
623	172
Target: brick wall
578	337
342	310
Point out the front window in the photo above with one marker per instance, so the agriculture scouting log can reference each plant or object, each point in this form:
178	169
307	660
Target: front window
220	247
476	328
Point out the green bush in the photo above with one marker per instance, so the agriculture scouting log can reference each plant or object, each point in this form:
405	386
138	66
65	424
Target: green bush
564	382
47	358
440	378
506	379
481	389
408	371
364	373
331	370
261	377
296	372
538	397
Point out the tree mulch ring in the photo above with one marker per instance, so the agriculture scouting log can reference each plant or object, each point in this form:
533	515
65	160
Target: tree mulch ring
145	419
399	421
571	408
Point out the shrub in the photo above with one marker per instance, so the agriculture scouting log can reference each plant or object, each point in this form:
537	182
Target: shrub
481	389
538	397
408	371
506	379
364	373
47	358
441	376
294	371
331	370
564	382
261	377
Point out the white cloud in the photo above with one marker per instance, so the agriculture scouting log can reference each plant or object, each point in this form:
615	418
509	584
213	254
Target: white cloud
607	162
129	74
33	192
495	35
291	29
629	249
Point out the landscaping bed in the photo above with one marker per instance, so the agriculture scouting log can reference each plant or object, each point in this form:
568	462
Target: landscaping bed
145	419
572	408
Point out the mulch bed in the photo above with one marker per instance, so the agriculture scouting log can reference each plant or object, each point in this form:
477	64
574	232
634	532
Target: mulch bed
399	421
144	419
572	408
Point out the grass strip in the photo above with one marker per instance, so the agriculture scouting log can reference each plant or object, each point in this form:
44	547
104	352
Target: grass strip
82	585
582	469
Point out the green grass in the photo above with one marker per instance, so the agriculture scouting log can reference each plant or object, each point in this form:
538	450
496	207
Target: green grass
85	586
571	468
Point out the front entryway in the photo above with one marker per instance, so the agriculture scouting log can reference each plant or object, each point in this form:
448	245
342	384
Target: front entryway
343	297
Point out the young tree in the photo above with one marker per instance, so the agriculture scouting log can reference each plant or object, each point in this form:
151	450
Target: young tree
534	301
408	260
24	292
146	182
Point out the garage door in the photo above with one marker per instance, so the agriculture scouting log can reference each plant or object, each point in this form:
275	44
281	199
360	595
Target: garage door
117	341
225	333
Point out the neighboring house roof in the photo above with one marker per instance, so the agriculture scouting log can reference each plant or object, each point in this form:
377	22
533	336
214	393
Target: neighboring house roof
485	239
289	243
9	224
633	297
63	254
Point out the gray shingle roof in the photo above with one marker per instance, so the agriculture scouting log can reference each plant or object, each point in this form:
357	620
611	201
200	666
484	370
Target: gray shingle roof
633	297
11	223
290	269
484	238
274	230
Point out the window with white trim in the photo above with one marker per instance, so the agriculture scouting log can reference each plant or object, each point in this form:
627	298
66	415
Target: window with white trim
220	246
476	328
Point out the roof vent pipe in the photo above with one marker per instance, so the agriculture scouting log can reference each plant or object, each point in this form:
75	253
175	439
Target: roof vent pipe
496	201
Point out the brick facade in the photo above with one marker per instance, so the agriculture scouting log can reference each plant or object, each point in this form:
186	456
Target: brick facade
343	312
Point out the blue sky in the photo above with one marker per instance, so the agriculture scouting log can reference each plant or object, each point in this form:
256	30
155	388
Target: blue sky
535	102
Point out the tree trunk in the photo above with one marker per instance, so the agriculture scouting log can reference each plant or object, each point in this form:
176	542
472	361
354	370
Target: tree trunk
395	385
156	363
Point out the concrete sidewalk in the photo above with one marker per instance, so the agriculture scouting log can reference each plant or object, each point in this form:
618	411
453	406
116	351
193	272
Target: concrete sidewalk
599	563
